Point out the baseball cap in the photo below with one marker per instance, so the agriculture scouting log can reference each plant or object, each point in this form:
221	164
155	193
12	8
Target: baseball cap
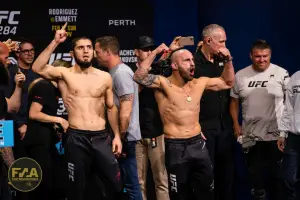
145	42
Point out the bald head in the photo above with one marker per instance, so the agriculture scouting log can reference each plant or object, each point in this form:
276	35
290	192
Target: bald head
182	62
177	54
4	53
3	48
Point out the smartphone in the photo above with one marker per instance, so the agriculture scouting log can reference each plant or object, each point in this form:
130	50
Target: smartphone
186	41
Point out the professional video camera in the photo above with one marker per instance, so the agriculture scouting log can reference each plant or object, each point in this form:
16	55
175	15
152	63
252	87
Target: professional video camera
161	67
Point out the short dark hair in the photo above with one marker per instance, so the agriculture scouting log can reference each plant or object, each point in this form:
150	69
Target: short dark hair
260	44
24	41
75	40
109	43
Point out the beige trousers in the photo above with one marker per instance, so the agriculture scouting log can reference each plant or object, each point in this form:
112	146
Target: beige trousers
157	161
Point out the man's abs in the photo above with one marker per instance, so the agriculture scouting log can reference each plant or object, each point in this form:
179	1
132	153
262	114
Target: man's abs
183	131
90	123
86	113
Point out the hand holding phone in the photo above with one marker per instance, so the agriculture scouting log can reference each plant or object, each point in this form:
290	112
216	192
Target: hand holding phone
186	41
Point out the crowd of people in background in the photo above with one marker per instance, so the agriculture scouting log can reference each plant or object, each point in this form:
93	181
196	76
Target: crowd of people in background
123	119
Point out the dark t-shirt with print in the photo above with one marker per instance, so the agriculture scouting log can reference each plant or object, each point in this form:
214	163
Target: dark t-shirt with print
45	94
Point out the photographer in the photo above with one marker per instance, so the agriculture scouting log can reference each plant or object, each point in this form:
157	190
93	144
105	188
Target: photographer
151	146
214	117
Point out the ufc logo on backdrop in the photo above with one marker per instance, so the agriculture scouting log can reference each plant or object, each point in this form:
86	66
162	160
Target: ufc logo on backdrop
257	84
9	16
13	60
63	56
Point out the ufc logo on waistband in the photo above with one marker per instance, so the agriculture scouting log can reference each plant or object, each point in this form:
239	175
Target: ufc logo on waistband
257	84
10	16
71	171
173	182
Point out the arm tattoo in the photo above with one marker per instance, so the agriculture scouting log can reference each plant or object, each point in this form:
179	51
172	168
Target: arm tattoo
126	97
8	155
142	77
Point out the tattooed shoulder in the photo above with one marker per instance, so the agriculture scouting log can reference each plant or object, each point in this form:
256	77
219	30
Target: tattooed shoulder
126	97
168	82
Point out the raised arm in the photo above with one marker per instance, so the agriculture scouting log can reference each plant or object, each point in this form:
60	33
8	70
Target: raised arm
40	65
14	102
226	80
142	76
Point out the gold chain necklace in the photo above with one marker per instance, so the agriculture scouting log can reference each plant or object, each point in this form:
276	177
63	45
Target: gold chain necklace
189	98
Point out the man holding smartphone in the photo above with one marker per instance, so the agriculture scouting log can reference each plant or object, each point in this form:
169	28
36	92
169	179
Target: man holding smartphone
214	117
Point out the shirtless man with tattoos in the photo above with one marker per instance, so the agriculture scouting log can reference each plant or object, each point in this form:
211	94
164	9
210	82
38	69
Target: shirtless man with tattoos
178	97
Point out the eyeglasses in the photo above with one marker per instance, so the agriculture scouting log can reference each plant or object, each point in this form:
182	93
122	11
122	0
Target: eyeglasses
26	52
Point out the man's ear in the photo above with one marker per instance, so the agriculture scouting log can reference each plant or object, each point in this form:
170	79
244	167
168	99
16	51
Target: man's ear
207	40
250	54
72	54
136	52
174	66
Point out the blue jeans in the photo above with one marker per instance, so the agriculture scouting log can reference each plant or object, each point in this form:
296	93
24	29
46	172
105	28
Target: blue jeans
291	162
129	172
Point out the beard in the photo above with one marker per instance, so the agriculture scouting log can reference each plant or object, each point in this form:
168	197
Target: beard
83	64
185	75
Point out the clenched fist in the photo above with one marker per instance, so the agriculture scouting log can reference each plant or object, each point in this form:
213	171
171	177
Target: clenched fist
161	48
224	53
12	45
20	79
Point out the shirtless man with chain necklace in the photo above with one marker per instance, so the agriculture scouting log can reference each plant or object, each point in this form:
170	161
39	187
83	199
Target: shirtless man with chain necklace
178	96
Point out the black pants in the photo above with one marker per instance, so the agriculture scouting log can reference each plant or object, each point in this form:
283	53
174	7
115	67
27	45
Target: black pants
220	148
44	155
264	162
189	168
290	165
89	153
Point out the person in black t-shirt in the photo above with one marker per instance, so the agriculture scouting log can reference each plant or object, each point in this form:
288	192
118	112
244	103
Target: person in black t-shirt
215	119
151	146
40	138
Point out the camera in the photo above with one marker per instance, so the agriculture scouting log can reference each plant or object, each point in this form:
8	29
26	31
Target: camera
161	67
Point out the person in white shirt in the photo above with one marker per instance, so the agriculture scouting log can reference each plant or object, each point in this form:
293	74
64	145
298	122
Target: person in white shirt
260	88
289	140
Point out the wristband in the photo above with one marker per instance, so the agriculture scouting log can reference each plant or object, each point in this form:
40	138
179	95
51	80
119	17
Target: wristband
282	134
228	60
